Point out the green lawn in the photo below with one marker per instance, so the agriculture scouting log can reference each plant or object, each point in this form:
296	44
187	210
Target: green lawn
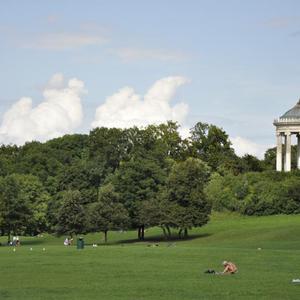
126	269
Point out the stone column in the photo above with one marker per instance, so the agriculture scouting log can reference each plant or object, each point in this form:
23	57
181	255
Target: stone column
287	165
279	152
298	151
284	152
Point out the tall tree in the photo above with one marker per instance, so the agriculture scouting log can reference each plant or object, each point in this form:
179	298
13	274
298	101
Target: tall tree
211	144
167	141
107	148
71	217
185	188
23	204
136	181
108	213
13	211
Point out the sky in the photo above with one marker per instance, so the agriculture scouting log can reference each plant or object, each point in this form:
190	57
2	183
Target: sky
70	66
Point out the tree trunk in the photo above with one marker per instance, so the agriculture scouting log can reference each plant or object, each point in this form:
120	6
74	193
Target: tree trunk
179	233
169	231
105	236
143	232
165	232
186	234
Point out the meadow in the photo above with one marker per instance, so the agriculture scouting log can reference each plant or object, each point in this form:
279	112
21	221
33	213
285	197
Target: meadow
265	249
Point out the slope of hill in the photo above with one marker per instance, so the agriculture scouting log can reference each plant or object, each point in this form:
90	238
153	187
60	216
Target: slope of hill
266	250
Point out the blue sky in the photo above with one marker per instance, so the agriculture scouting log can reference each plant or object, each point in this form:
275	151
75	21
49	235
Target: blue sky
239	61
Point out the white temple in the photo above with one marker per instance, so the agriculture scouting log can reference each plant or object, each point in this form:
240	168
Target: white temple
286	125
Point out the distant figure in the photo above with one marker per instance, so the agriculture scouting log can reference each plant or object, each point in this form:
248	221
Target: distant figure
18	243
66	242
14	241
229	268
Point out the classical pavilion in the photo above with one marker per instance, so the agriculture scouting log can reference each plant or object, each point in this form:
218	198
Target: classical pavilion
286	125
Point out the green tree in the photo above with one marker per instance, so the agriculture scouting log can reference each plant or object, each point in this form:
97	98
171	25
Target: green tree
107	148
256	193
23	205
108	213
167	141
252	163
8	157
53	209
185	187
13	212
34	193
79	176
211	144
270	158
71	217
136	181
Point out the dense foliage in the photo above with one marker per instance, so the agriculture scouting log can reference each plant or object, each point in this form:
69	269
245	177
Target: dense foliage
109	179
136	178
254	193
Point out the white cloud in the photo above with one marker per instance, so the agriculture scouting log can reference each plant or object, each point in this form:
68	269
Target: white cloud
126	108
63	41
131	54
244	146
59	113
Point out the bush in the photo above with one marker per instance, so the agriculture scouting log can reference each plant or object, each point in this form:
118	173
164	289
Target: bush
253	193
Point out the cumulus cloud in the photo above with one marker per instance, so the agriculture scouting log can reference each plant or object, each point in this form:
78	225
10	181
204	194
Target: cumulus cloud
126	108
59	113
244	146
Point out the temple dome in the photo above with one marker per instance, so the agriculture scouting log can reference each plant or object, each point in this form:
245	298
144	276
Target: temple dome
293	113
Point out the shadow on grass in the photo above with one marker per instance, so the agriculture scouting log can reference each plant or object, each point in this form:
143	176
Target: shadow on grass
159	239
148	239
152	240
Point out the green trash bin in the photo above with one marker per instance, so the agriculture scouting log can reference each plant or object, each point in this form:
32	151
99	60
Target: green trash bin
80	243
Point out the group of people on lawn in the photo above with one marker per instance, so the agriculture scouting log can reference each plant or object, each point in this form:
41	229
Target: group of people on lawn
229	267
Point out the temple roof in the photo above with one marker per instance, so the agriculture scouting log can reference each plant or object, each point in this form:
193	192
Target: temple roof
293	113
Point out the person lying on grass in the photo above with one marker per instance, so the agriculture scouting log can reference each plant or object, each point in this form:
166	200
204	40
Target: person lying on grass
229	268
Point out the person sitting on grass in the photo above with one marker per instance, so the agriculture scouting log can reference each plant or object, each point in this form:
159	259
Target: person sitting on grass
229	268
66	242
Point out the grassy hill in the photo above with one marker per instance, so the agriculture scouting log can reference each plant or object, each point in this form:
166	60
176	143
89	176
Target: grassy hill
127	269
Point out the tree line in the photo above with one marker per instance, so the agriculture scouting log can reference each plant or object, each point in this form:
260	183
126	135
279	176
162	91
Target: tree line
114	179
